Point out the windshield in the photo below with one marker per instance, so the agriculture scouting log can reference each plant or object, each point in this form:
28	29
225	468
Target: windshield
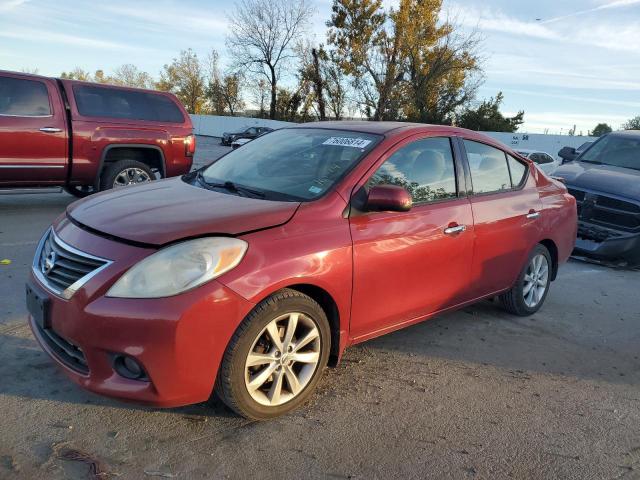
297	164
616	150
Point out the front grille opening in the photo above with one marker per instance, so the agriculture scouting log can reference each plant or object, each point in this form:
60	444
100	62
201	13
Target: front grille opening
618	204
68	353
61	266
616	219
578	194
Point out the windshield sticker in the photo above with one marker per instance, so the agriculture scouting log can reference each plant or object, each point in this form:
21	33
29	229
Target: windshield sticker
315	189
347	142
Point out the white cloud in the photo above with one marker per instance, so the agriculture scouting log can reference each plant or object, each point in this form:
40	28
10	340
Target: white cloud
8	5
607	5
611	34
578	98
177	19
488	19
43	37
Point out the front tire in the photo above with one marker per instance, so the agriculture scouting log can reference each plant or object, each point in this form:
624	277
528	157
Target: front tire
530	291
276	356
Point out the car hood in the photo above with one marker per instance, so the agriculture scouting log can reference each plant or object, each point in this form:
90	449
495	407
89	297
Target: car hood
619	181
162	212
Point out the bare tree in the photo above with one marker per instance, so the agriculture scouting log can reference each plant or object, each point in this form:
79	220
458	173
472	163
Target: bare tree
260	93
224	91
263	33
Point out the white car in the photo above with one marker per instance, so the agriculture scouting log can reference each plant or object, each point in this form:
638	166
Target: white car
547	163
239	142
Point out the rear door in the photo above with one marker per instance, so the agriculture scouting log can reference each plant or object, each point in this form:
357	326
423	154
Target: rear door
409	264
506	208
33	134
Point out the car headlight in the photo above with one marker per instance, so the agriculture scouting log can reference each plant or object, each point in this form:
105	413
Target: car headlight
180	267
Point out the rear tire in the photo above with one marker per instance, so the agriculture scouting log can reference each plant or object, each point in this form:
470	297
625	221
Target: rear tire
261	376
125	172
529	292
80	191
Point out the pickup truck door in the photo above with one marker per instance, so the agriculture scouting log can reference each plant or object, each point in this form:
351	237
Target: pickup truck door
33	132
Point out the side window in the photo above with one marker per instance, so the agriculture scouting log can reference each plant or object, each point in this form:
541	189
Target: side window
252	131
424	167
544	158
488	165
23	98
518	171
98	101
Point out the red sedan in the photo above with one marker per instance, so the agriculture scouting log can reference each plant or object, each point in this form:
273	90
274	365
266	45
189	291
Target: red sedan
249	276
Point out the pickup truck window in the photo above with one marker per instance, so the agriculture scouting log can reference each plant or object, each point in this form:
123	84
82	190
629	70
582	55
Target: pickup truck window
23	98
97	101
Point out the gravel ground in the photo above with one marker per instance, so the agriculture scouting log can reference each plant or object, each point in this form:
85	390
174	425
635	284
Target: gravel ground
473	394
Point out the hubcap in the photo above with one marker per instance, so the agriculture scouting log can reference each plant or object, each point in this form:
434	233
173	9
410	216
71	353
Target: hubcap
536	280
131	176
282	359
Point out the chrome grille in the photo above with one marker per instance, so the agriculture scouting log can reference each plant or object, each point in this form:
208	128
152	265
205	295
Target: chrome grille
62	268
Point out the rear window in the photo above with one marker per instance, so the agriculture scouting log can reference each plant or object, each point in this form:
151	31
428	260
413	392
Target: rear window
23	98
96	101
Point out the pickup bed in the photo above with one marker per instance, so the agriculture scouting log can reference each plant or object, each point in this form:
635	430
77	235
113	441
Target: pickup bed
88	137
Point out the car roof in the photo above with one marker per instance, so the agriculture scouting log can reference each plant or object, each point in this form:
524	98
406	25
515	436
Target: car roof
385	128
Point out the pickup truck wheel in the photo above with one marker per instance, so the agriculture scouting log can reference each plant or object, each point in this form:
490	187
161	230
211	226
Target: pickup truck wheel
80	191
125	172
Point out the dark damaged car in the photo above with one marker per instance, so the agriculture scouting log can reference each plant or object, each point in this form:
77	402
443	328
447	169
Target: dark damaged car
605	180
250	133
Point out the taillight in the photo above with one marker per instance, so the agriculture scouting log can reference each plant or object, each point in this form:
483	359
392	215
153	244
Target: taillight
190	145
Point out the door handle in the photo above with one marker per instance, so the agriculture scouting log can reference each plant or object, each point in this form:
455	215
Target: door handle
455	229
533	215
50	130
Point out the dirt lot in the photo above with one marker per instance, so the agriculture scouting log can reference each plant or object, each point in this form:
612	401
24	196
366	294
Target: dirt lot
474	394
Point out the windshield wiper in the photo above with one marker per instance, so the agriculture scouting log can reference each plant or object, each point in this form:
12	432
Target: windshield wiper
232	187
595	162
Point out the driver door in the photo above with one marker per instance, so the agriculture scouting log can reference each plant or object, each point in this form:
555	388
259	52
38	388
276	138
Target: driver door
410	264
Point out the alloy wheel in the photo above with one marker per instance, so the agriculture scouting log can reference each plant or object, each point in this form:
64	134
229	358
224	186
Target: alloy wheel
131	176
282	359
536	280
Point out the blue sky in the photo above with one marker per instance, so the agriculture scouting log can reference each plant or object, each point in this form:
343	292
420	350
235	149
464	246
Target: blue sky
578	64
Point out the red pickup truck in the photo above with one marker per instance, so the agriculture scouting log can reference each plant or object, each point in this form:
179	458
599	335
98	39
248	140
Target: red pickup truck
87	137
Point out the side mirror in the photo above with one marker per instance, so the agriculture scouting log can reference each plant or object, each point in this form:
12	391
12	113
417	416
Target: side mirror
388	198
568	154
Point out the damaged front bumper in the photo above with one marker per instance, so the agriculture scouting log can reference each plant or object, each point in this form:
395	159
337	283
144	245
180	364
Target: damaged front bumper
606	244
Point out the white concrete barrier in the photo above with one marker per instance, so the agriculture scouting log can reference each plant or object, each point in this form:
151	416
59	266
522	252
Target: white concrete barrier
215	126
550	144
